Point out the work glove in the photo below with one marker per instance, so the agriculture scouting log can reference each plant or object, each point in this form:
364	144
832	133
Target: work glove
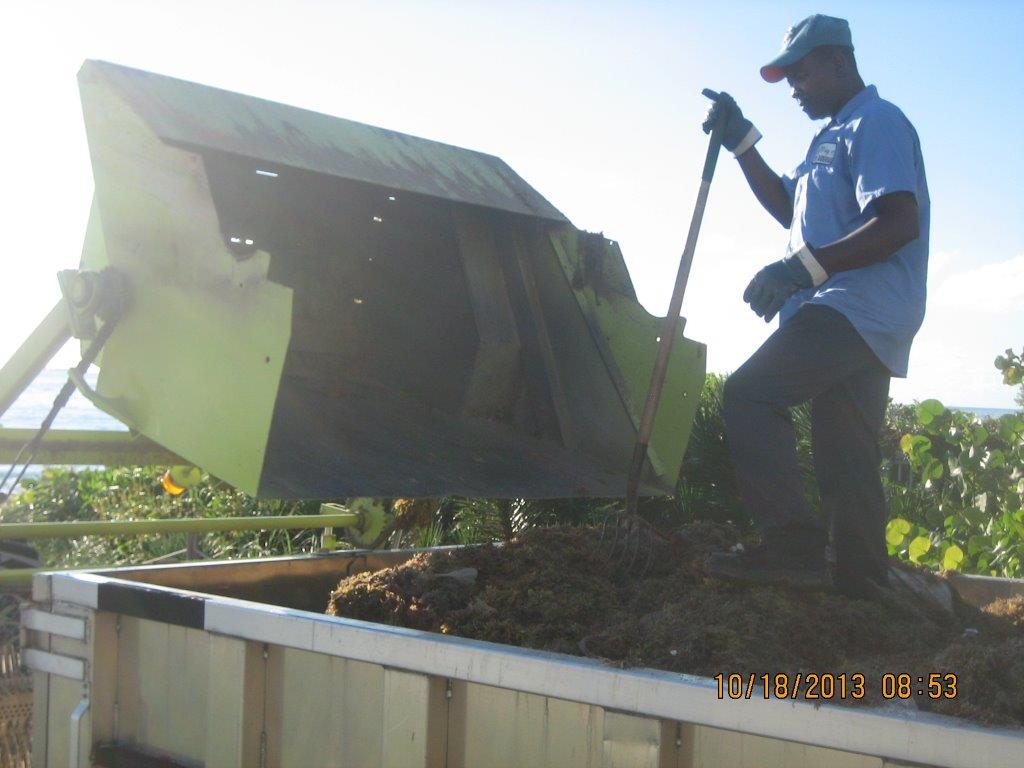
774	284
738	133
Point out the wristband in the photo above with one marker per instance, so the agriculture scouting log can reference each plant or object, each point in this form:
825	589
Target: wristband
753	136
812	265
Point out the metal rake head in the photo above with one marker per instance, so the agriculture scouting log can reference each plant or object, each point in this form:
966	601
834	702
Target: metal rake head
629	542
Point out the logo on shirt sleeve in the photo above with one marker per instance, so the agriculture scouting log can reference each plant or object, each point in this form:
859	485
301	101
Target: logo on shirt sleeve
825	154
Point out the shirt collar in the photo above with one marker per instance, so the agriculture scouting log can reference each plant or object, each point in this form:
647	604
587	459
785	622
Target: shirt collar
865	95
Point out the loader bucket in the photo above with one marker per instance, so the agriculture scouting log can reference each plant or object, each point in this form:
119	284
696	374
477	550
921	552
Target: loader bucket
319	308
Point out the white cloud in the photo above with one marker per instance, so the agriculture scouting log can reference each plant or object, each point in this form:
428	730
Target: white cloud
939	265
997	287
973	315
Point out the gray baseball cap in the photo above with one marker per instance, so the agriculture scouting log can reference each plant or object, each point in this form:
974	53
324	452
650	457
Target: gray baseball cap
802	38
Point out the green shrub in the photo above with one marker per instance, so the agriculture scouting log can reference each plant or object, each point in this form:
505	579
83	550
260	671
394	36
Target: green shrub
707	484
963	508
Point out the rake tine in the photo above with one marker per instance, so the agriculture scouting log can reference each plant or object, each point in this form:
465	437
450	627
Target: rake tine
621	538
635	534
649	560
604	527
613	530
616	534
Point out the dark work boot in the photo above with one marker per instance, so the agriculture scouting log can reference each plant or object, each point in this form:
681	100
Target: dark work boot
772	565
863	578
873	590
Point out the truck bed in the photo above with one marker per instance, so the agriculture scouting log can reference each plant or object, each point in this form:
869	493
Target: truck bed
235	664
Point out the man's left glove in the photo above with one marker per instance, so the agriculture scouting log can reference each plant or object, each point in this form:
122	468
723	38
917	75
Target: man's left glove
738	133
774	284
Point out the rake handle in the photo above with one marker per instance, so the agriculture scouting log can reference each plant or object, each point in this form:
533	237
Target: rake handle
670	323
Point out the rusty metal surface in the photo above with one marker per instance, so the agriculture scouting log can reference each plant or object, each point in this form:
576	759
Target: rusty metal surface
198	116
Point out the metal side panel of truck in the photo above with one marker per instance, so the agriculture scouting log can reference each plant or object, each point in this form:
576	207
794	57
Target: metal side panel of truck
195	665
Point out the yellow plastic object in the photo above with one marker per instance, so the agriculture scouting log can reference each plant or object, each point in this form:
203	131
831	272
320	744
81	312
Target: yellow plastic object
177	480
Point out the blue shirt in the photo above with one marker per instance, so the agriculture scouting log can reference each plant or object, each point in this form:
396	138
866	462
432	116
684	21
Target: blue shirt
870	149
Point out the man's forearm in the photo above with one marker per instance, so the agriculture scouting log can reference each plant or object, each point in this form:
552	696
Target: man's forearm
893	226
767	186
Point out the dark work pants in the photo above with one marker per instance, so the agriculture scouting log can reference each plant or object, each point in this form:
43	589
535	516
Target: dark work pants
817	356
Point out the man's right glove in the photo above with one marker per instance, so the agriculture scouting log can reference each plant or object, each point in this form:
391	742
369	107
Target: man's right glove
738	133
773	285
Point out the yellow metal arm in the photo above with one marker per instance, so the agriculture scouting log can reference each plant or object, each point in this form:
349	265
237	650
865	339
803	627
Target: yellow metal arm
33	355
71	529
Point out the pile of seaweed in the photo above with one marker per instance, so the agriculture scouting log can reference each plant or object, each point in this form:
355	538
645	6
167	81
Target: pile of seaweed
556	589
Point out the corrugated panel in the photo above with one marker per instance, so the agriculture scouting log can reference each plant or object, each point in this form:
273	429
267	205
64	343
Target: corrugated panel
325	711
497	727
162	687
236	702
195	115
63	696
414	720
630	741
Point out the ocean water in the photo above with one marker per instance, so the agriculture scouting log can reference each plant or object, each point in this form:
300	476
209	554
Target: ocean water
994	413
29	410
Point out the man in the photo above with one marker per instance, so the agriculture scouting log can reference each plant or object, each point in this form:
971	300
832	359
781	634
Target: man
850	295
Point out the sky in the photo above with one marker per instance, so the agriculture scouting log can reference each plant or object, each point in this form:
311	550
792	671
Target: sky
597	105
